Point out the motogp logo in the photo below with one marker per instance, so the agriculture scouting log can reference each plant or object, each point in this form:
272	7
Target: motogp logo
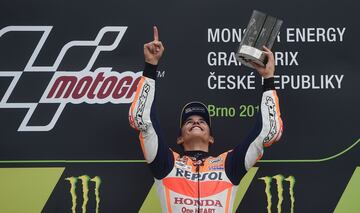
99	86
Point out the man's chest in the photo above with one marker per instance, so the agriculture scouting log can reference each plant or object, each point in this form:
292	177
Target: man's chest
209	169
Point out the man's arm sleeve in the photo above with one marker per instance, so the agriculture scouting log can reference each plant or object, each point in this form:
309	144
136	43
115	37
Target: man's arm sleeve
142	117
267	130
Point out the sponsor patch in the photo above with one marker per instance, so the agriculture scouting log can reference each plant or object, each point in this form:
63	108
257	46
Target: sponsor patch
182	165
216	168
215	160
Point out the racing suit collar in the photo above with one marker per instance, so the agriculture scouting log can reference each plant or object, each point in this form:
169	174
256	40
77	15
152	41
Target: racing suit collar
197	155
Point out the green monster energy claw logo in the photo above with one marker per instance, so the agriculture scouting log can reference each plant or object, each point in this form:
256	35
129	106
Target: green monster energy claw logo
280	189
85	191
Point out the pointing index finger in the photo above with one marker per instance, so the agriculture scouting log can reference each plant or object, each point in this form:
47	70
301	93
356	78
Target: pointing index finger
156	34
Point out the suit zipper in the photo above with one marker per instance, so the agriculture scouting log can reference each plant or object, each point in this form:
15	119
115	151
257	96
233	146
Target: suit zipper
198	176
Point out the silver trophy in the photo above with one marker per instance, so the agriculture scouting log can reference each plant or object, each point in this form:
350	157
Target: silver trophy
261	31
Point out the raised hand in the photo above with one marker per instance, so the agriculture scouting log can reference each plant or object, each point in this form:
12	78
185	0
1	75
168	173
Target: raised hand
153	50
269	69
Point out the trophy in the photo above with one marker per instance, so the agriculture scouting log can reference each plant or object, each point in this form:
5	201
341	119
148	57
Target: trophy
261	31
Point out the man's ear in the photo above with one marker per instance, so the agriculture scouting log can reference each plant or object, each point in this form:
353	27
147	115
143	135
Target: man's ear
180	140
211	140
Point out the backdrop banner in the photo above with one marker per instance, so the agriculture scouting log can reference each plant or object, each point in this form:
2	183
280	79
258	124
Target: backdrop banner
69	71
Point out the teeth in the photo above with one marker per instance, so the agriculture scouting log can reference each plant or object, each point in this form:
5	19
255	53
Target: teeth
196	127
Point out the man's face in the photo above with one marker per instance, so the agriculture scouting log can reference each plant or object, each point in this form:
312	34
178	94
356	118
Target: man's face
195	127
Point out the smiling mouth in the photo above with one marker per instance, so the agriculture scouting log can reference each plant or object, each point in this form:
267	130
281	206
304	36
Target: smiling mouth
196	127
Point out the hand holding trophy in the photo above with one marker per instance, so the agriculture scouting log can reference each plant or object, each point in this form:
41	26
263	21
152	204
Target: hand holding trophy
261	32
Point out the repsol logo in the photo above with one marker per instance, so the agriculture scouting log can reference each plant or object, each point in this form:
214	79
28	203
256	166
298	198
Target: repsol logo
199	176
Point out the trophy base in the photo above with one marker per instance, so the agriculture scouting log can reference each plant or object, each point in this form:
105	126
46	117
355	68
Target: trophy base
247	54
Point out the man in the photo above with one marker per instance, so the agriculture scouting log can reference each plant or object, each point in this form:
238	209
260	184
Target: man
194	181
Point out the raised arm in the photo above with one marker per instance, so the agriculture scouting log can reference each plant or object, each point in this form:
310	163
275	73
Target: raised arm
267	130
142	114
